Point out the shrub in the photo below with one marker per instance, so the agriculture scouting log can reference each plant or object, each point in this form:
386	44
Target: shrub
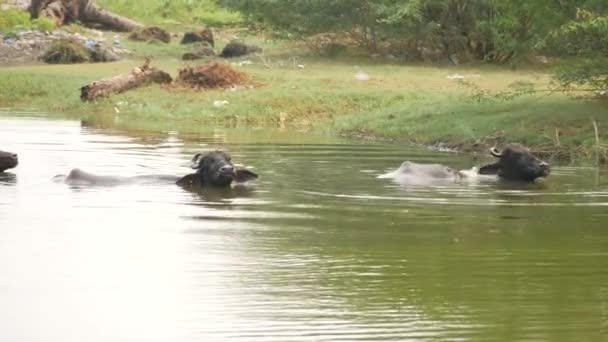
13	20
66	51
586	38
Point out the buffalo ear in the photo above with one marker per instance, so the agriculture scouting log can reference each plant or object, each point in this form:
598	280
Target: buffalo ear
491	169
243	176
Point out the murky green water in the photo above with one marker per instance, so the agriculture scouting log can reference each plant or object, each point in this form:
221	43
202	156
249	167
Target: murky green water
318	249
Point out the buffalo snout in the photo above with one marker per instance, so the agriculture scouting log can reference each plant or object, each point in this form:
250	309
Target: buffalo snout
545	169
227	170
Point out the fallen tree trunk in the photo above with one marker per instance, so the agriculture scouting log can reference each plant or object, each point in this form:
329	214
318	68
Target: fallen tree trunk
136	78
87	11
95	14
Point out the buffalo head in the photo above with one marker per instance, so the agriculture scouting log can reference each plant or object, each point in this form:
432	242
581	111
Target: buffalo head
215	169
8	161
516	163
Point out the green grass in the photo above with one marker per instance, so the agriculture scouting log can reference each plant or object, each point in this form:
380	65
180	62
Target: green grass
174	13
407	103
12	20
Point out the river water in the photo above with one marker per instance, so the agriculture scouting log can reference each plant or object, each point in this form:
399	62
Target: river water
318	249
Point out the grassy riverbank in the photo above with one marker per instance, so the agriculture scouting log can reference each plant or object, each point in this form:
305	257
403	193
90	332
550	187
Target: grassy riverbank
418	104
174	13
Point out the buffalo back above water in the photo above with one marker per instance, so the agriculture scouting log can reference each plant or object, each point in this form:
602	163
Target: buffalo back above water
8	160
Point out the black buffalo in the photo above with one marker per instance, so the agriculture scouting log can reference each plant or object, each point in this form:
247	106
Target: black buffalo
8	160
515	163
213	170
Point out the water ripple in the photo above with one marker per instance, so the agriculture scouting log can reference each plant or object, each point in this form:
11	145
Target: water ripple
318	249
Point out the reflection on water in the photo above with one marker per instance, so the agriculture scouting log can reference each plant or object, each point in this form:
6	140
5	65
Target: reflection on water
318	249
7	178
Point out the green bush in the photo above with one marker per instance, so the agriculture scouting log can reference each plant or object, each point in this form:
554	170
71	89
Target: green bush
586	35
13	20
67	51
489	30
42	23
587	39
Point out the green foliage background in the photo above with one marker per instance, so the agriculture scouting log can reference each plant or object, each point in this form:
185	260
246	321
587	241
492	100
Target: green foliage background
497	31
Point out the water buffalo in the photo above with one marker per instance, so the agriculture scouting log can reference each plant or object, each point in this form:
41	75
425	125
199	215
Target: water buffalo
213	169
8	160
515	163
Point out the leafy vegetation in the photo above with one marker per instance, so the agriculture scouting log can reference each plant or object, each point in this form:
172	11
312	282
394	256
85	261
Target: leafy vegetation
12	20
66	51
452	31
489	30
585	38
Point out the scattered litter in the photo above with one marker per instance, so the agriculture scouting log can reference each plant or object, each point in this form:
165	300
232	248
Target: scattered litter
236	87
455	77
361	76
460	77
220	103
247	62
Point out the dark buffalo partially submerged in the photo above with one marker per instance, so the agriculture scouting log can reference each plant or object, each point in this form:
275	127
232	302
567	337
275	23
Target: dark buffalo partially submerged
8	160
515	163
213	170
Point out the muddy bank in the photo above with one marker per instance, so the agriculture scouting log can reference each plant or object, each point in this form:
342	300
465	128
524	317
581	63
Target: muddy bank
562	153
